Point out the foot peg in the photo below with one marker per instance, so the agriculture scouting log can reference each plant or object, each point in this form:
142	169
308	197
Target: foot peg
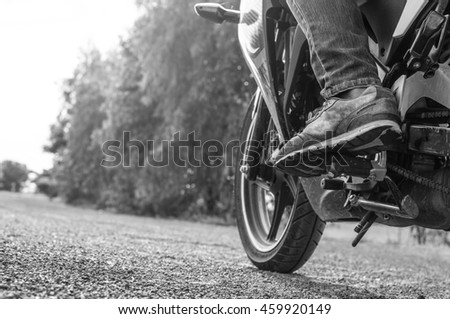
333	184
408	209
370	170
337	184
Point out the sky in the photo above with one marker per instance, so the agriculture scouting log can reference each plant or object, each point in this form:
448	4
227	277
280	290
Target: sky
41	41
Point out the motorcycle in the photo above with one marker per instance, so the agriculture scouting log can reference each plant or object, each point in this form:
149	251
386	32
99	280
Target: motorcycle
281	216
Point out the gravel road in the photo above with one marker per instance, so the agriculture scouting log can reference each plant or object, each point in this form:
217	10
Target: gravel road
49	250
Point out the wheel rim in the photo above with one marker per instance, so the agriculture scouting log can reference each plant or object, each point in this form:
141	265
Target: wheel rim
259	208
267	213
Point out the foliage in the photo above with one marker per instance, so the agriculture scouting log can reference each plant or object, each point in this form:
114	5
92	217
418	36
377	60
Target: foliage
46	184
12	176
174	73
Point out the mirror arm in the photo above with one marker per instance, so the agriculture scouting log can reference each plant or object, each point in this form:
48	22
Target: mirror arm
216	13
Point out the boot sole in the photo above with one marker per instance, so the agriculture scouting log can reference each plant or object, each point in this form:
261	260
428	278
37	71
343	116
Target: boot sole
372	138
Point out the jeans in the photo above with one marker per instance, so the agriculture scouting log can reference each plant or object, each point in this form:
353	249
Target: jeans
337	39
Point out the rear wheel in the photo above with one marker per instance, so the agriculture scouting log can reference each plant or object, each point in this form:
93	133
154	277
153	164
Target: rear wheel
279	232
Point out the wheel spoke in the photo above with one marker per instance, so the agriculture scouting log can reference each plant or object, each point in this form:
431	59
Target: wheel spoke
281	201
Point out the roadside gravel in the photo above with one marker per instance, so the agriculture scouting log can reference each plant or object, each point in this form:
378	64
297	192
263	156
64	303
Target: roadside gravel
49	250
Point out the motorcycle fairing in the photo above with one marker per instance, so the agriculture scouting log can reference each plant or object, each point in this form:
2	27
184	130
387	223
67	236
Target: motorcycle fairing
410	90
390	22
256	35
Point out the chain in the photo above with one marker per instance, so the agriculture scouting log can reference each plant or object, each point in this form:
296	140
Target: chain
416	178
430	115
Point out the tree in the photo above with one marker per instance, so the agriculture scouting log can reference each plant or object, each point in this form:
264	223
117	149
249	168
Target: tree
174	73
12	176
77	156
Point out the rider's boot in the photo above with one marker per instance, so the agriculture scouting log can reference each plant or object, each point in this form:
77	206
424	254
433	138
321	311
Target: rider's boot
356	123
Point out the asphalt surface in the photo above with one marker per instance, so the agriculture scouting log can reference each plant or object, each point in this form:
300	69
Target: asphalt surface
49	250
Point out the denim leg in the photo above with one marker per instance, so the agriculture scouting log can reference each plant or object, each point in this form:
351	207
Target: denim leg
340	55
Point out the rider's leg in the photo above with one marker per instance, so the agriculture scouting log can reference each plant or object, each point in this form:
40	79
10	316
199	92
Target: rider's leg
340	54
358	112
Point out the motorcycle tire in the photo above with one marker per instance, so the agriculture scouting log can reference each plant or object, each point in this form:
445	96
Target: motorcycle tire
298	235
